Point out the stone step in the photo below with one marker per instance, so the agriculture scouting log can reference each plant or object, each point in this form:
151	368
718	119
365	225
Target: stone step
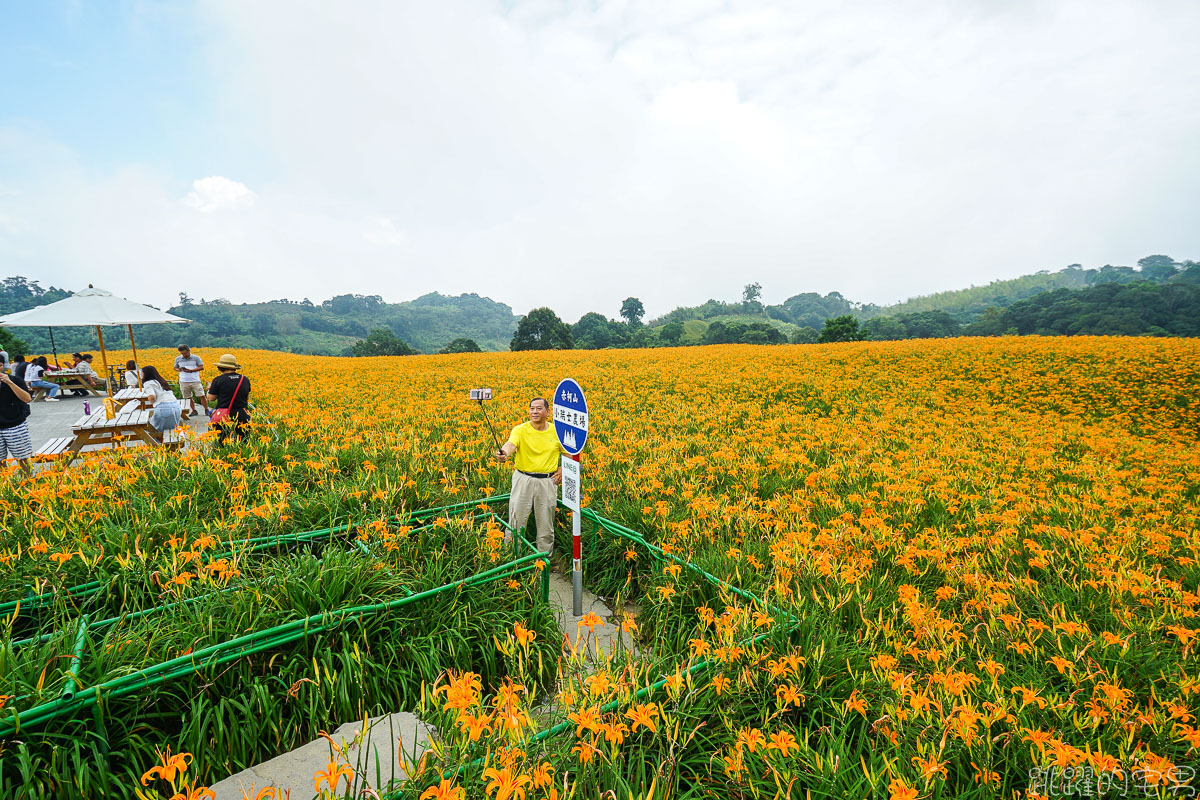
603	638
374	756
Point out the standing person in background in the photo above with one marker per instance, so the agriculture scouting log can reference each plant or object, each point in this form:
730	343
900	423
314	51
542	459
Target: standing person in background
33	379
131	375
15	441
3	360
167	410
189	368
230	393
537	473
19	366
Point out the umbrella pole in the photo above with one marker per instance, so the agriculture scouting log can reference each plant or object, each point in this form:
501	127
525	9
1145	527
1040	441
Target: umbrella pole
132	346
104	360
53	349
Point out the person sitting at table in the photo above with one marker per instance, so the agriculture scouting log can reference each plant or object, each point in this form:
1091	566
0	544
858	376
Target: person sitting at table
76	359
89	374
33	379
131	374
167	409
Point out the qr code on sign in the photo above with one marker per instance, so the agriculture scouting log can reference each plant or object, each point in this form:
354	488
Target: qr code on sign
571	491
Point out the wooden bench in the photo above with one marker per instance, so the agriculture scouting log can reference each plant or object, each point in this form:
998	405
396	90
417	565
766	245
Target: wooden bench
55	447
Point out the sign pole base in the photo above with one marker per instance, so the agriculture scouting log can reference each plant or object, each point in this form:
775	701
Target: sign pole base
576	566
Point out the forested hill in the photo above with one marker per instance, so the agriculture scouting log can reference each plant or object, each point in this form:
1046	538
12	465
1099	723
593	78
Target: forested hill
427	323
966	311
1158	297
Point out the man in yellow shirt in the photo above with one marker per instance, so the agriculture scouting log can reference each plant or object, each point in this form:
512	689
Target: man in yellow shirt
537	473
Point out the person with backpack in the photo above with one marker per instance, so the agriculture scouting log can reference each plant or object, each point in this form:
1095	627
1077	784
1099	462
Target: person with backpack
230	394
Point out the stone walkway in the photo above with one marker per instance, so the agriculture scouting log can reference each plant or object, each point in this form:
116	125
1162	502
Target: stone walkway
378	748
373	754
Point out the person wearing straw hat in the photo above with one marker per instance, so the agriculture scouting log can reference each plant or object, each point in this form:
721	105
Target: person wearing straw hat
230	394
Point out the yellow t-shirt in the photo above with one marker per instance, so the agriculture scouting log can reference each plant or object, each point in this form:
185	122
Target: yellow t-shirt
537	451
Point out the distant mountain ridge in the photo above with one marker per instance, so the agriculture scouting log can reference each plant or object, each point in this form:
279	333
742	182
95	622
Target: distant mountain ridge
427	323
432	321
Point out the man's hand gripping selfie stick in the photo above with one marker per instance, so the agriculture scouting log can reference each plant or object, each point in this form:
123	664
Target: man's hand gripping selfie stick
486	394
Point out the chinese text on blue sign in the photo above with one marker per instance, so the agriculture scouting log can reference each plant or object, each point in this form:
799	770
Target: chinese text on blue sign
570	416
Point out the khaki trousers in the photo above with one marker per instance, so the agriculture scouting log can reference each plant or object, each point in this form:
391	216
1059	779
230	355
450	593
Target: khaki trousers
540	495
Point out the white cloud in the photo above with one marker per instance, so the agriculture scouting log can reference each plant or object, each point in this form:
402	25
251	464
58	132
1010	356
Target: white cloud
383	231
574	154
218	194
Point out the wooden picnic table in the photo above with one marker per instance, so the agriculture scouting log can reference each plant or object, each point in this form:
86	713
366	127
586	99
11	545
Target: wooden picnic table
68	379
132	397
96	428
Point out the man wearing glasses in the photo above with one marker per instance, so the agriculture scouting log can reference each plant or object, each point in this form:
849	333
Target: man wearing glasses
537	475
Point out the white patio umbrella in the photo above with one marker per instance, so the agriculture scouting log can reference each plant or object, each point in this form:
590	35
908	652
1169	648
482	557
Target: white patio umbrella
92	308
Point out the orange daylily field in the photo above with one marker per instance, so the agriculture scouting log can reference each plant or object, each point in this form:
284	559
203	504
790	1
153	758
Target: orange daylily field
975	564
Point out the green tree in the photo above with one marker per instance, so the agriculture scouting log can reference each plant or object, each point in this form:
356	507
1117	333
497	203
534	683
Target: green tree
592	332
1158	268
672	332
541	329
632	311
840	329
381	342
752	293
805	335
12	345
460	345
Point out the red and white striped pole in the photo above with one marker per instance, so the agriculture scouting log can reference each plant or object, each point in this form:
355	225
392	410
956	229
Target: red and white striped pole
577	549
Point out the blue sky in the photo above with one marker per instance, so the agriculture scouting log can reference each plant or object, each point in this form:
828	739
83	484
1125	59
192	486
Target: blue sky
117	82
575	153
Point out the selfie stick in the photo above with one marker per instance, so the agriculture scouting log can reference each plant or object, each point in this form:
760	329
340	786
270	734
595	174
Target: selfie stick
481	395
489	424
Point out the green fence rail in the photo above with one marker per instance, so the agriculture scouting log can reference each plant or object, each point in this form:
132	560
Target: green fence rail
700	666
74	699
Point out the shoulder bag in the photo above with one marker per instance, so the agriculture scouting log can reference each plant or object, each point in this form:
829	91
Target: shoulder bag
222	414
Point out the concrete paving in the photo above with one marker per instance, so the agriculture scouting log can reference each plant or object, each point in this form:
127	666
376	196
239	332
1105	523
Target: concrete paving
374	755
605	637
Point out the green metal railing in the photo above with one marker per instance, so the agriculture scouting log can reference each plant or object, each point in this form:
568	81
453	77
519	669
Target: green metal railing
700	666
74	699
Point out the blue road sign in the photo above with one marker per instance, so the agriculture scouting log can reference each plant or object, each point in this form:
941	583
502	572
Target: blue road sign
570	416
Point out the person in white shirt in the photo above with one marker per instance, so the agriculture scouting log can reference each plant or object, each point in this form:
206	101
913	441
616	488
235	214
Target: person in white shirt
167	409
33	379
190	386
131	376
